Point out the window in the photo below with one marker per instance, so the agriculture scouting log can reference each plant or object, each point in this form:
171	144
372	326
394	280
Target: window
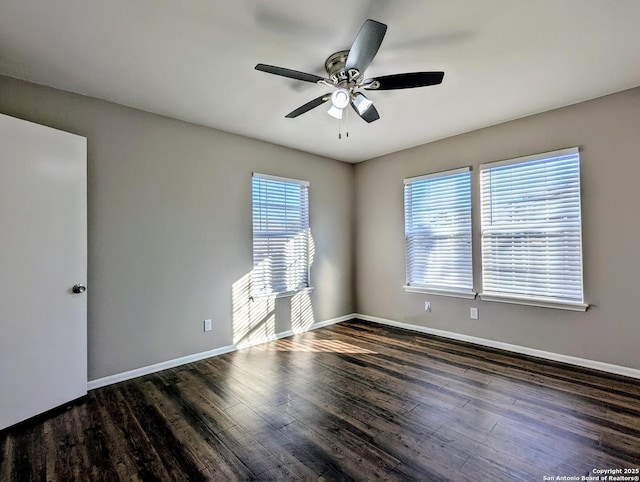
531	230
280	235
437	211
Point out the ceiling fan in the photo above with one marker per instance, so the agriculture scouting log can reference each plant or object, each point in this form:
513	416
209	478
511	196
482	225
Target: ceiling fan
345	70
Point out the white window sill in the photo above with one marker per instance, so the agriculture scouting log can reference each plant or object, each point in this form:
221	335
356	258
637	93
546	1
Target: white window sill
531	301
284	294
469	295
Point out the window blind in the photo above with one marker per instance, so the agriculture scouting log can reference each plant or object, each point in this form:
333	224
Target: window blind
531	227
280	235
438	231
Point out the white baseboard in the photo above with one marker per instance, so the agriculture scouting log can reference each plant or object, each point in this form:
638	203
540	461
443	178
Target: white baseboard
138	372
581	362
571	360
157	367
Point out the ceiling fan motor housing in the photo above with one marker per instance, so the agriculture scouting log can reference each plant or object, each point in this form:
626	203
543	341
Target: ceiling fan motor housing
335	66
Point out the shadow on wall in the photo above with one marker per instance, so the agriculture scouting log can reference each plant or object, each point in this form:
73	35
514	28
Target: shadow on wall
260	318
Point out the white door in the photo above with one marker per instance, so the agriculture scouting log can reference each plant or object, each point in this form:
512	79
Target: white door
43	254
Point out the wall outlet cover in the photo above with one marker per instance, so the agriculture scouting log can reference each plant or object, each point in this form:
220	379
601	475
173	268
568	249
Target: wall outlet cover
207	325
474	313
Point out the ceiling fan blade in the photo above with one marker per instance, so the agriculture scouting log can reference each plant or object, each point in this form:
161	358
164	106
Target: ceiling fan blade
308	106
404	81
292	74
369	115
365	46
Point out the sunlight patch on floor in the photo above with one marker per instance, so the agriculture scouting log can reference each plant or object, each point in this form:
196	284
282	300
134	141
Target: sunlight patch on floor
315	346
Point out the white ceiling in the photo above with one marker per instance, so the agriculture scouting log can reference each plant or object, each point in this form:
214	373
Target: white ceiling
194	60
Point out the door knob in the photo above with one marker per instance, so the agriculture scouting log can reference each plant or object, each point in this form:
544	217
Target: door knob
79	288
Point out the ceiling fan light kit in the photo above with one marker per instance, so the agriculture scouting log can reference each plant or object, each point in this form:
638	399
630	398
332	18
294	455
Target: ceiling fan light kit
339	100
345	73
335	112
361	103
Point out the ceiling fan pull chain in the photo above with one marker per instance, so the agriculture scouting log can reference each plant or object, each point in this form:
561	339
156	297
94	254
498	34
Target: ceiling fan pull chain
347	110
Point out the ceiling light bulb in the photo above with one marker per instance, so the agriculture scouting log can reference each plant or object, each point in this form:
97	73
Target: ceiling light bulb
361	103
335	112
340	98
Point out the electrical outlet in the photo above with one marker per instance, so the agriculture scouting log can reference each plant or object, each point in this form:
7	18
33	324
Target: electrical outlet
427	306
207	325
474	313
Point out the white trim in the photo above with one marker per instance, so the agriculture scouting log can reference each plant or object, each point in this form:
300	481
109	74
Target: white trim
157	367
558	357
535	157
469	295
451	172
541	302
283	294
280	179
138	372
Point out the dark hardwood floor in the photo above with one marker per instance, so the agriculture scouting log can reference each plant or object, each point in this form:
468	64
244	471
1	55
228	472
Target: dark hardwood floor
350	401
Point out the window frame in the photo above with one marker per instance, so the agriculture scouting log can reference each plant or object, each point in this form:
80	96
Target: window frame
443	289
505	296
255	292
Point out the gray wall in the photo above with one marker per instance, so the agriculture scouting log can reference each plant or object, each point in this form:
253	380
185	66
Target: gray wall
170	230
608	131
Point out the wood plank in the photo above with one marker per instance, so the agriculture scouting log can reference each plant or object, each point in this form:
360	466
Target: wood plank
7	458
292	451
132	453
194	435
156	426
